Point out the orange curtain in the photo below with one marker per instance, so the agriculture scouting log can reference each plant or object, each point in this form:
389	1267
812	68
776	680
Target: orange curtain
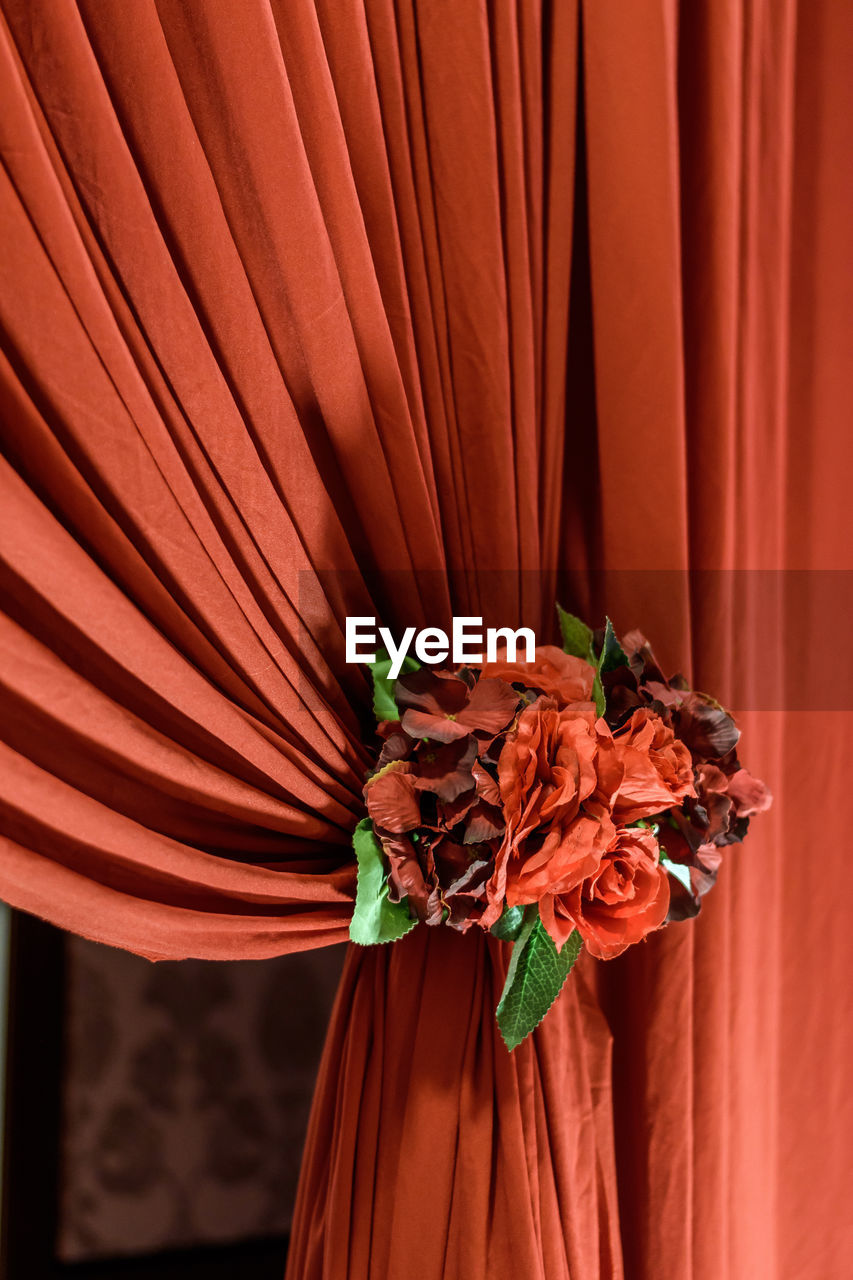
323	307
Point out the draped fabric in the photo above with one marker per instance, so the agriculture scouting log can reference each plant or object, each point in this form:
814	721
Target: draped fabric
323	307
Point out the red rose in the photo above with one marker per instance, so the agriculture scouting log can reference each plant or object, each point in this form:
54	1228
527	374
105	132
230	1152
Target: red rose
625	897
658	768
561	676
558	774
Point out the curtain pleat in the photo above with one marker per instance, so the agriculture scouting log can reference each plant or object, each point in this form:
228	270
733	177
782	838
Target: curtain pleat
459	1159
406	308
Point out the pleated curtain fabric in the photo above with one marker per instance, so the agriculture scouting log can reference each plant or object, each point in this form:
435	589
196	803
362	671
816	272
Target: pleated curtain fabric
409	308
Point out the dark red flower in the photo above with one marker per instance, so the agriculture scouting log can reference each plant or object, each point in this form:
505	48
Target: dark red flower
462	876
442	706
411	876
446	769
749	795
443	880
703	726
391	799
435	805
725	795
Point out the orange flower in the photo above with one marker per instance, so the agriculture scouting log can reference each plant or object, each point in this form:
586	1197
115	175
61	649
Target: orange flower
561	676
658	768
626	897
558	775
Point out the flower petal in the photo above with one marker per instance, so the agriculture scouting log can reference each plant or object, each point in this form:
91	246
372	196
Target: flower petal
420	724
491	706
391	799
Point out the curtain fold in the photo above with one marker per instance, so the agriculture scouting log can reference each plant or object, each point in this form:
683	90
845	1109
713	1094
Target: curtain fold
431	1149
312	308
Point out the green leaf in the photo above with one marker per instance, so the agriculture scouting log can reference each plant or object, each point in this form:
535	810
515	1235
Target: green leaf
598	695
577	640
612	654
509	925
537	971
374	918
384	706
577	636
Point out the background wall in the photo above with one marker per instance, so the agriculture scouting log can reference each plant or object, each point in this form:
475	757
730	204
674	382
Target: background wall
185	1097
4	1008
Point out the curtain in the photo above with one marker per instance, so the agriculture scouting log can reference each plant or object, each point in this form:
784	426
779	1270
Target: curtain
408	308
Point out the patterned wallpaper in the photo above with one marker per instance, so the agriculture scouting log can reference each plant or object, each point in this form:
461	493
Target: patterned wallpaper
185	1096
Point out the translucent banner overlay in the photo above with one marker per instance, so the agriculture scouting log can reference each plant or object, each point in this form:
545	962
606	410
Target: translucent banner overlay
771	640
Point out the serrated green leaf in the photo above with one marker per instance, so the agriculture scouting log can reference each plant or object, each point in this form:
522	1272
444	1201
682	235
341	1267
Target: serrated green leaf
509	925
535	977
577	636
612	654
384	706
598	695
577	640
374	918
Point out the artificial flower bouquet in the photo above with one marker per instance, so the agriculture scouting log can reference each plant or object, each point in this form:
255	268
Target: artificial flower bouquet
581	799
